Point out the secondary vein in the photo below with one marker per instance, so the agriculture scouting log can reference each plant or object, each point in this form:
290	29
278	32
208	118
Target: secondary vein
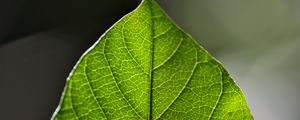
91	88
188	80
114	78
218	100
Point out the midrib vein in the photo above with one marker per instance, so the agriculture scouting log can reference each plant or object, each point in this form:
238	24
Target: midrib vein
151	63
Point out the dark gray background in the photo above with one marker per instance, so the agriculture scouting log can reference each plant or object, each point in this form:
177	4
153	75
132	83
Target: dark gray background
40	42
258	41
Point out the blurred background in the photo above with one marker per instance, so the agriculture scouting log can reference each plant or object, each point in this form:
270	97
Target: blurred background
258	41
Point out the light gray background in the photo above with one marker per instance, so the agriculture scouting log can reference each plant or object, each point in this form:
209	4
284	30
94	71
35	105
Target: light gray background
258	41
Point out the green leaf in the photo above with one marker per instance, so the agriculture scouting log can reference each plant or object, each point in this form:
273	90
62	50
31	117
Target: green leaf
145	67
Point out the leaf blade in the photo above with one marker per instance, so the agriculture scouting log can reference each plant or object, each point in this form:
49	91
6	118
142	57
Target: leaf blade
145	67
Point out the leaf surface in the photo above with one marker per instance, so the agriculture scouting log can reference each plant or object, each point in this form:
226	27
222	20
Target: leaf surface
145	67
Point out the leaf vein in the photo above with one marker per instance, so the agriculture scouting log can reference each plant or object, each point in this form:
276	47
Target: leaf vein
72	105
91	88
117	85
173	53
126	47
188	80
218	100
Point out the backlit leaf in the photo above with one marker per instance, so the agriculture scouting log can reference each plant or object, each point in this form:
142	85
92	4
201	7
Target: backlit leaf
145	67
